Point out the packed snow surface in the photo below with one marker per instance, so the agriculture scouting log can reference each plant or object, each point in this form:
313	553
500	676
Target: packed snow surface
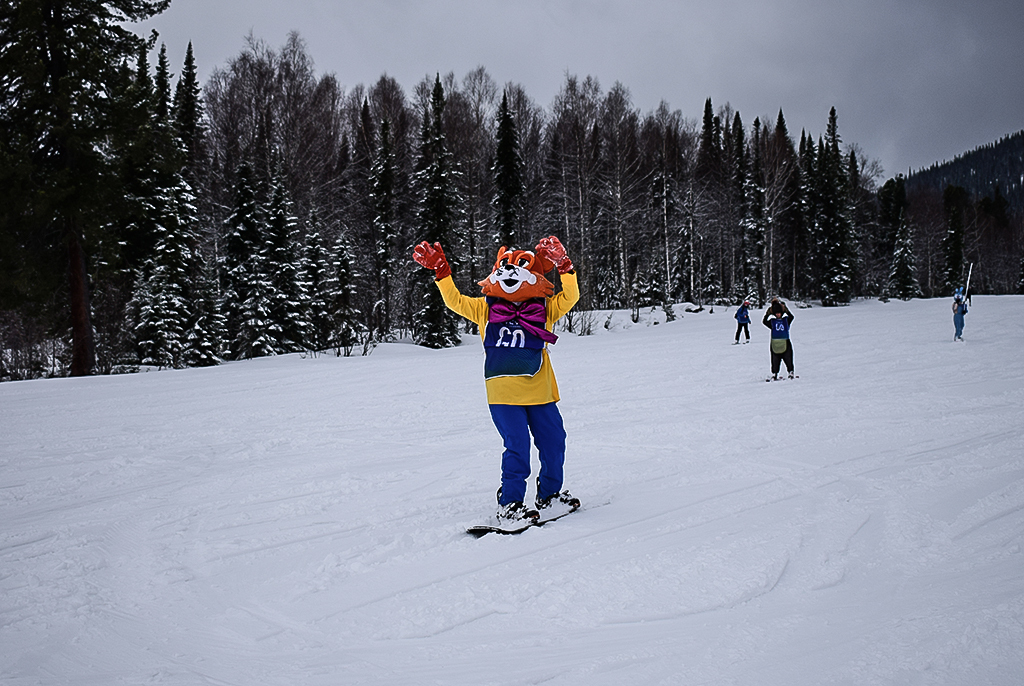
301	520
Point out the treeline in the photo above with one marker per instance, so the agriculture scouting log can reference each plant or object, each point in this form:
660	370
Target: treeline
995	170
979	195
273	211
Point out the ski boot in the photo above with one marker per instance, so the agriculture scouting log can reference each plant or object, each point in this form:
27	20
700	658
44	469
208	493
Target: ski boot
516	512
565	499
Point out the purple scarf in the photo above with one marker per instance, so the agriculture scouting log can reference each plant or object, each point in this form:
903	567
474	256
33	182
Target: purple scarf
530	315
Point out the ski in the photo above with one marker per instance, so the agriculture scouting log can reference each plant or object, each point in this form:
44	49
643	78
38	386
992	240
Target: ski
782	378
519	527
484	529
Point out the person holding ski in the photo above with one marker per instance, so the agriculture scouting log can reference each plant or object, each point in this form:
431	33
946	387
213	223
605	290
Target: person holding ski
743	321
515	317
778	318
959	310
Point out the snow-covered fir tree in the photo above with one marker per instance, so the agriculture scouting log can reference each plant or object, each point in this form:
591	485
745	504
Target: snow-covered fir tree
258	335
187	109
754	224
346	325
833	226
736	206
248	293
438	214
384	231
204	341
892	205
317	280
507	172
286	296
804	256
903	283
162	296
163	306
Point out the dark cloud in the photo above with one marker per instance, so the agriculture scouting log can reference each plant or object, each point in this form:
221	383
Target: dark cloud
913	81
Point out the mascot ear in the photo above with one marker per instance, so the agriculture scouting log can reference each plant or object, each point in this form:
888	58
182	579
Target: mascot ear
501	253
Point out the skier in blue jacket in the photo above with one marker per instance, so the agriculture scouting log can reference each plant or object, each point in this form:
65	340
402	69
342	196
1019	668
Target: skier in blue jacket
959	310
742	321
778	318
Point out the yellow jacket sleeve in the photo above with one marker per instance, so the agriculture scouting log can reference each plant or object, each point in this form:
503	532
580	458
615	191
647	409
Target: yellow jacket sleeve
473	309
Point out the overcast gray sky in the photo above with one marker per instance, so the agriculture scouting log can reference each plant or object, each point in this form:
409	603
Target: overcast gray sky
913	81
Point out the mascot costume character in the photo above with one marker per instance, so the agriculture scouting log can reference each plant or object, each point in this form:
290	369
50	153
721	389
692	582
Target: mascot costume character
515	316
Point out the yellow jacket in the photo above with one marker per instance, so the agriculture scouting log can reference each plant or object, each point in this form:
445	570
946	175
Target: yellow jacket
538	389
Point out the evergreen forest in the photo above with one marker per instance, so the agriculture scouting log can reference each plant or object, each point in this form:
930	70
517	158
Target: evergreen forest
150	220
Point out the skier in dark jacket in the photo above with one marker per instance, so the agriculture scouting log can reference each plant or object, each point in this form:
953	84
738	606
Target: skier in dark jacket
742	321
778	318
959	310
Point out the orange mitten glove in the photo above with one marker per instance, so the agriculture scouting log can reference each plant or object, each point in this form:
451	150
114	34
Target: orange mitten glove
432	257
552	250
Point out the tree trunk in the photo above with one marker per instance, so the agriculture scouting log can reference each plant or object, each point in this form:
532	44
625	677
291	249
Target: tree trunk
83	347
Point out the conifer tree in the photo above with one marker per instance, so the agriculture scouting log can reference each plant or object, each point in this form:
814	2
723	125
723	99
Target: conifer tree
903	283
64	71
833	224
318	281
713	211
168	303
954	202
134	148
892	205
738	192
709	150
204	341
281	269
163	302
385	232
162	151
258	335
188	113
754	225
804	260
248	292
507	171
434	325
360	211
346	328
162	87
782	205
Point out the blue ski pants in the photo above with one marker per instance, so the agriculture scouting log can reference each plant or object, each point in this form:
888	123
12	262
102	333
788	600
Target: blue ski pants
515	423
958	325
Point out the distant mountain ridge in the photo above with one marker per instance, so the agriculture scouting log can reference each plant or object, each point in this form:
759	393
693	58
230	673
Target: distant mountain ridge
980	171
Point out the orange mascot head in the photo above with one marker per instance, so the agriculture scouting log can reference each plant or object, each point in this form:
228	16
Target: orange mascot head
519	276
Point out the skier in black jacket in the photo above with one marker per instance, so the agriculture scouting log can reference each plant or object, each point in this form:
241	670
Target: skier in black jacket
778	318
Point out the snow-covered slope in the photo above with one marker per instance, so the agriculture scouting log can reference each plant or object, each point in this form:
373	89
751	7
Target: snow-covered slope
300	520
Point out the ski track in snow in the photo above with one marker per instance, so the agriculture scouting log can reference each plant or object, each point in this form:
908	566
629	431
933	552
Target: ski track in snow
301	519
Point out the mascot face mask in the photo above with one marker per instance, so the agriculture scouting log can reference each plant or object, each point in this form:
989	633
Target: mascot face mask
518	276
